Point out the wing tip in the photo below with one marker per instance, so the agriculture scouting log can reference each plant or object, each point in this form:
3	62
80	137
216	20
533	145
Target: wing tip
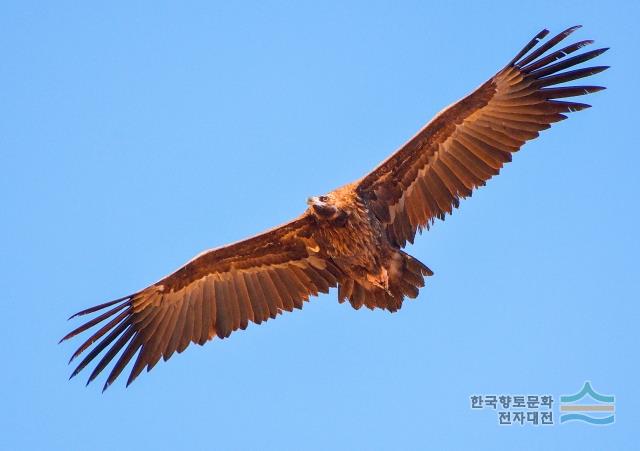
542	34
104	305
593	89
531	44
532	51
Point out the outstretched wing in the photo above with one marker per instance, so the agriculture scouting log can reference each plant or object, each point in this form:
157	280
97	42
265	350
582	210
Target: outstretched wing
467	143
216	293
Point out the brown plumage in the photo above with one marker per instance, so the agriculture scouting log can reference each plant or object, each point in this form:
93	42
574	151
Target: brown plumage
352	237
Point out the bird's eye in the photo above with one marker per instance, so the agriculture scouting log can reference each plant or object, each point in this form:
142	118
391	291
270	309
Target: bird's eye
323	198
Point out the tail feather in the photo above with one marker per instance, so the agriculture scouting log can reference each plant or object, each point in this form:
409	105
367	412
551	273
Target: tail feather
405	282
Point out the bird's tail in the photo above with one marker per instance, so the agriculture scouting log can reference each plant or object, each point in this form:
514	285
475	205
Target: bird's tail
404	279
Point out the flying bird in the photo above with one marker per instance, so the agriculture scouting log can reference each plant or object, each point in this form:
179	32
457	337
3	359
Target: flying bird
351	238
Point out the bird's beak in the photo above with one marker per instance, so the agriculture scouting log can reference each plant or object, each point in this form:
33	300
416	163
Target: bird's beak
311	200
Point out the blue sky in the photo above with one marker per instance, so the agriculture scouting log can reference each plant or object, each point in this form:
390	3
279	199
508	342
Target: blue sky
135	135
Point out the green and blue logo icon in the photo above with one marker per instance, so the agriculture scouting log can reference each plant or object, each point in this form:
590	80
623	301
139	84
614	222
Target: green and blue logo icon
589	406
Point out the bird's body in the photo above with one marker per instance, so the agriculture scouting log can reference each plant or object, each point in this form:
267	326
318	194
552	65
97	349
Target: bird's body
375	272
343	239
352	237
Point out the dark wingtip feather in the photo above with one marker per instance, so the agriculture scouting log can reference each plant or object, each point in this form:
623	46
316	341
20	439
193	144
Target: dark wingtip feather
559	92
106	341
528	64
556	67
571	75
547	69
531	44
93	322
574	106
138	366
131	378
115	348
522	59
100	306
69	335
106	328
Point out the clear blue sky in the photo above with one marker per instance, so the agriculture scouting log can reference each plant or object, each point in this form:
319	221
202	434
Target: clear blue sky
134	135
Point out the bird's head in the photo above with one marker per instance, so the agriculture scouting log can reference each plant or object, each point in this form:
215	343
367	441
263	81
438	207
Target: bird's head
326	207
322	206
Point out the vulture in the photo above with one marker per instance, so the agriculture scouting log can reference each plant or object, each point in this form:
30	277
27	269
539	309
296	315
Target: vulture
353	237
